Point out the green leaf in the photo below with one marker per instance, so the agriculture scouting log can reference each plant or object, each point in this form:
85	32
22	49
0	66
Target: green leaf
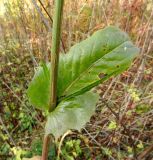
142	108
108	51
140	145
39	90
112	125
71	114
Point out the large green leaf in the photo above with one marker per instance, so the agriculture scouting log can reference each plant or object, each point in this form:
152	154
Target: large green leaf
108	51
71	114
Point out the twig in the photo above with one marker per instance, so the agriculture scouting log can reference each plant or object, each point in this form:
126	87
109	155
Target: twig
145	152
43	18
7	132
61	142
41	15
45	10
22	103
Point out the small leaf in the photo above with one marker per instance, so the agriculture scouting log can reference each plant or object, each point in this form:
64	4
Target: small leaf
133	93
71	114
112	125
140	145
142	108
107	151
129	149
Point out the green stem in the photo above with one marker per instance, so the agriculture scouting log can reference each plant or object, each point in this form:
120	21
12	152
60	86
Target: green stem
55	52
54	67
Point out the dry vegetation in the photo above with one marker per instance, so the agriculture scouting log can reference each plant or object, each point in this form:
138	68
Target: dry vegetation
122	127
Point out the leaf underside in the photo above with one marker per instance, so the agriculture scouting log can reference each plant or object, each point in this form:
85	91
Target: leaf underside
71	114
108	51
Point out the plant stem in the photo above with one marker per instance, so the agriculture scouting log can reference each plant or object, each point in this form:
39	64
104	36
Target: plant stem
55	52
45	147
54	67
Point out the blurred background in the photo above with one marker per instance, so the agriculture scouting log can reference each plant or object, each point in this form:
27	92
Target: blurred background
122	127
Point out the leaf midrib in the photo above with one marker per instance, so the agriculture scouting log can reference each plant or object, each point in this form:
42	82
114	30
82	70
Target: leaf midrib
91	67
